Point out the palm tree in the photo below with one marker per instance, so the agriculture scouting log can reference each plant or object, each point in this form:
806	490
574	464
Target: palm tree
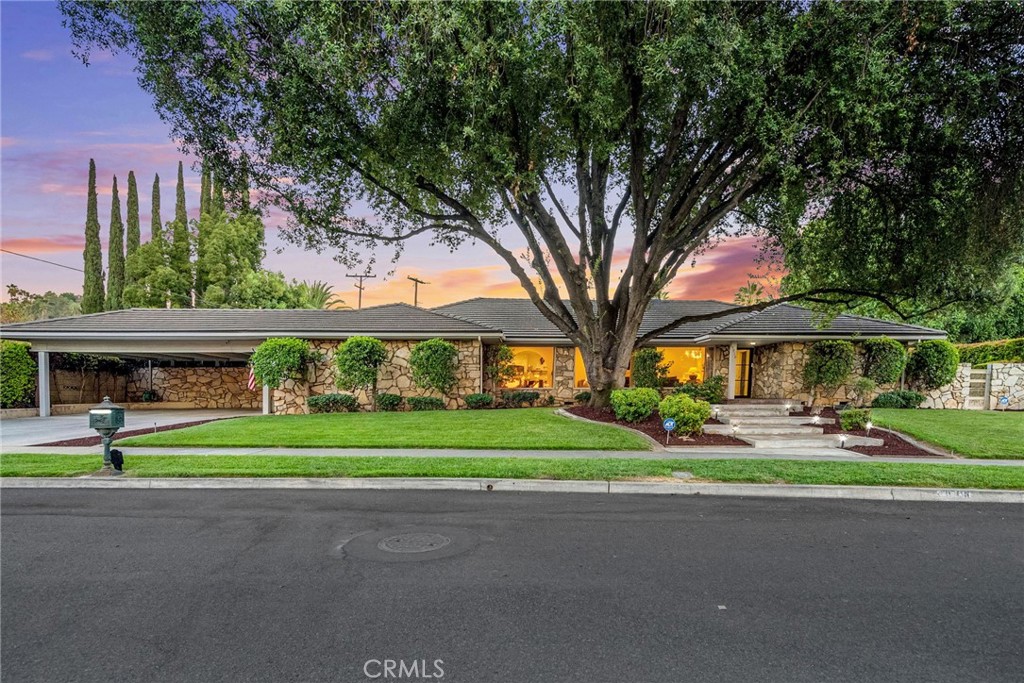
318	295
750	294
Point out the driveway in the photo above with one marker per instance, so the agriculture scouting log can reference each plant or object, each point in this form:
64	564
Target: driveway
29	431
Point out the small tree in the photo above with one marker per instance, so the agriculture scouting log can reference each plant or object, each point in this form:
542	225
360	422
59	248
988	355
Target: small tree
933	364
649	368
434	364
17	375
829	363
281	358
501	369
884	360
358	363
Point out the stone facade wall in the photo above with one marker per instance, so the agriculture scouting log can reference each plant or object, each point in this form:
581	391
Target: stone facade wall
1007	380
395	376
716	361
952	396
202	387
563	374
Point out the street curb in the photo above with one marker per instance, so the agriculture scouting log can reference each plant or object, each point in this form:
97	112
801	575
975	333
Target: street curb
681	488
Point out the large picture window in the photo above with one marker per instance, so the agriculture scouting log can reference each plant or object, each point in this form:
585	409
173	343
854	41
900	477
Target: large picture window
532	366
685	364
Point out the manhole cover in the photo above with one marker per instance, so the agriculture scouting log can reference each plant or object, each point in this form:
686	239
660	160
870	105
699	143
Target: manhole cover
414	542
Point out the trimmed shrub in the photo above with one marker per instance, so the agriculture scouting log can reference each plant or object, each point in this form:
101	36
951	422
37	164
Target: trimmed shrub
1002	351
634	405
829	363
17	375
357	363
501	369
933	364
712	389
478	401
434	364
884	360
854	418
898	399
689	414
516	399
649	369
425	403
332	403
582	397
389	402
150	396
550	400
863	388
278	359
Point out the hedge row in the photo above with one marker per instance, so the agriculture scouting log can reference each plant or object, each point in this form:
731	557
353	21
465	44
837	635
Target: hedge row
1003	351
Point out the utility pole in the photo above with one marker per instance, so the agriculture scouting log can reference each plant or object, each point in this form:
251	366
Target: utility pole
360	286
416	289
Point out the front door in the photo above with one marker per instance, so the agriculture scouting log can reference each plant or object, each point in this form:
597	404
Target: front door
742	373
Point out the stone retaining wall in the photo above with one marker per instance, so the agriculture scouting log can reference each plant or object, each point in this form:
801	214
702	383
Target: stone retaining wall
1007	379
951	396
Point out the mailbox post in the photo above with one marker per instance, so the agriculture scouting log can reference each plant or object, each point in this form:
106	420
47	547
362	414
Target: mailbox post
106	418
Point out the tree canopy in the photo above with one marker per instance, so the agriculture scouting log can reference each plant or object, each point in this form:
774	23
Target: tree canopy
598	147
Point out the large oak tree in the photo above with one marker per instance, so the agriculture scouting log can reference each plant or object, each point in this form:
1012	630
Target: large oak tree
598	147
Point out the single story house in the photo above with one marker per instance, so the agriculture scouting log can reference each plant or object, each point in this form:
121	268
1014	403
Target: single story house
198	357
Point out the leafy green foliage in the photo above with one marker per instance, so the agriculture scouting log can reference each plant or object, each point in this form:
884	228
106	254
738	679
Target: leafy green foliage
582	397
23	306
357	364
115	253
332	403
854	418
829	363
750	293
425	403
932	364
649	368
519	397
500	370
863	387
712	389
635	405
92	291
180	254
280	358
434	363
898	399
689	414
156	232
1004	351
478	401
17	375
884	360
133	237
389	402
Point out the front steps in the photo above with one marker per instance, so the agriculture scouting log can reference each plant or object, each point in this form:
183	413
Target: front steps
767	424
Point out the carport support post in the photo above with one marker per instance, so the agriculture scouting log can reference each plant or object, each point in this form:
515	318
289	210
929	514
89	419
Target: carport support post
730	387
43	361
266	399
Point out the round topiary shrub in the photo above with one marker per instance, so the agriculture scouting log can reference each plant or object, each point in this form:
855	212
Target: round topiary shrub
434	364
357	363
884	360
932	364
634	405
17	375
278	359
690	414
829	363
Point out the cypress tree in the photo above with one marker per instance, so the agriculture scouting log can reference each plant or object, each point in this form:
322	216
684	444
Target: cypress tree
92	291
133	236
217	196
115	253
204	192
156	229
180	262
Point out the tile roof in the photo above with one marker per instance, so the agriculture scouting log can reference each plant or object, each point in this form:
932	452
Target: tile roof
787	320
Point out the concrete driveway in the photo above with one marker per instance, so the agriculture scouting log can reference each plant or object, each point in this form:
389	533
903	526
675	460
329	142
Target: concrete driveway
29	431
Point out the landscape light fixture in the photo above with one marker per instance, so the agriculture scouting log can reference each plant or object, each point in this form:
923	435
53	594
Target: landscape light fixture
842	440
868	426
106	418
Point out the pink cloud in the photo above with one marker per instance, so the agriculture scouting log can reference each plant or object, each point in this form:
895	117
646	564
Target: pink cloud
38	55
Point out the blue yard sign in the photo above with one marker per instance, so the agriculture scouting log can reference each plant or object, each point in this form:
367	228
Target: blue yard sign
669	424
1003	401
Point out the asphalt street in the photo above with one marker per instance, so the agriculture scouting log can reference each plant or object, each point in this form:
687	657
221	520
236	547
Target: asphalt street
332	585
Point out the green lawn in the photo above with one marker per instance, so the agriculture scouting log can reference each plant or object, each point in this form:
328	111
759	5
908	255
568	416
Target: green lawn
530	429
756	471
971	433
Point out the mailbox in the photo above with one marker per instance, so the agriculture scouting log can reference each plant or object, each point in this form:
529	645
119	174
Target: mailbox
106	416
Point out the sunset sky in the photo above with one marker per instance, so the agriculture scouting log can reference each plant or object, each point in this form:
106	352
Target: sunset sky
56	114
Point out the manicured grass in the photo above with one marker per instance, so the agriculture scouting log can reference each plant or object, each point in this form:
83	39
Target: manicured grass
602	469
525	429
971	433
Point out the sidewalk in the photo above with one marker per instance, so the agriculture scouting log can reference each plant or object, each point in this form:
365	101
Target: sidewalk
716	453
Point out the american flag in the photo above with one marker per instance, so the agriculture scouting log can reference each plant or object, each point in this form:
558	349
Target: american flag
252	380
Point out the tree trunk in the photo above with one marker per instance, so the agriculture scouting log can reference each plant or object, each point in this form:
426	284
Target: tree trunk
606	371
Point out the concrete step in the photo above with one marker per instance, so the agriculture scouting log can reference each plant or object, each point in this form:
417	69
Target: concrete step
773	420
751	410
826	440
757	401
760	430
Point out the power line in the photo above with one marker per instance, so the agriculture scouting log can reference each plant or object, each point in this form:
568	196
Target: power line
360	286
42	260
416	289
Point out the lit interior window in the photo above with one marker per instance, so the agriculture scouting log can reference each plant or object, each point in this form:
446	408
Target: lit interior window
580	372
685	364
532	366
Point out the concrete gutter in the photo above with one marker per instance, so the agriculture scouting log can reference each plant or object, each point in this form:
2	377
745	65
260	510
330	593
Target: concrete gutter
682	488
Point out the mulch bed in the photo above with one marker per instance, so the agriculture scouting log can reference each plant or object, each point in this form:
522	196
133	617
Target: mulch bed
652	428
96	440
894	445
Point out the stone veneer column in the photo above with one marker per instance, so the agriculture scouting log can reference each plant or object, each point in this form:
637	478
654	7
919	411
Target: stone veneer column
730	387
